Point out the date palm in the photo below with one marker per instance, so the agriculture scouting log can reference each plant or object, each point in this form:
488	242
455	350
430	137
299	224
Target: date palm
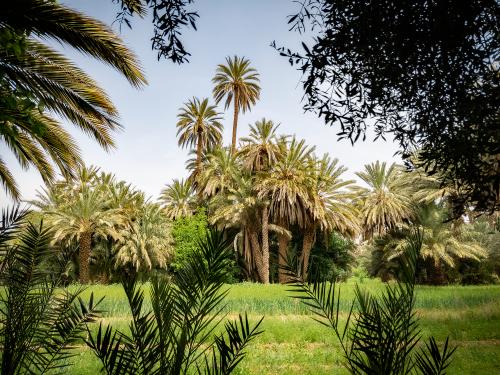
38	83
147	242
260	149
238	83
81	212
385	202
286	188
259	152
240	207
178	199
219	172
443	242
330	207
199	126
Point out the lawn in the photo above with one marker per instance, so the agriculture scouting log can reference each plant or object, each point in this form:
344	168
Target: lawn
292	343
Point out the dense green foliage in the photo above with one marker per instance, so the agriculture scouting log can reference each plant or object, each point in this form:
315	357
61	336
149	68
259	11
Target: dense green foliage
426	71
187	232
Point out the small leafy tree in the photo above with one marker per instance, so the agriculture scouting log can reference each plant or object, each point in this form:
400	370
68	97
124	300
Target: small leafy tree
38	323
173	337
381	335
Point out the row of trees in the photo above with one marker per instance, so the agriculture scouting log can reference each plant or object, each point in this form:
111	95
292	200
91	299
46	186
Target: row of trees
107	221
272	189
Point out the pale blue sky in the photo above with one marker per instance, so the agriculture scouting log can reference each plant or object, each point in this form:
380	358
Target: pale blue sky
147	154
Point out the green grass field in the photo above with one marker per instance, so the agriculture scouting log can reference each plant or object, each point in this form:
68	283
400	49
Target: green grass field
292	343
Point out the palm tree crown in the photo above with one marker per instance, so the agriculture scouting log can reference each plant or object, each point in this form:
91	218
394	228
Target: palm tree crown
238	83
260	149
199	125
385	202
178	199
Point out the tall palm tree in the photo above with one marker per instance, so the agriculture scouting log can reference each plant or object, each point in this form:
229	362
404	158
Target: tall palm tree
178	199
331	205
259	152
38	82
285	187
199	125
385	202
238	83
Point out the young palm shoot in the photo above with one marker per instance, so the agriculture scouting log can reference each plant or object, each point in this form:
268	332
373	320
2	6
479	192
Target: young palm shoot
381	334
174	337
39	324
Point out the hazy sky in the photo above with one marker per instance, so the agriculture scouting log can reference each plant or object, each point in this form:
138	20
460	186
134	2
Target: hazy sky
147	154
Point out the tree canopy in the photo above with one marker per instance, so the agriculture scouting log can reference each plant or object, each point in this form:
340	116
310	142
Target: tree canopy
425	71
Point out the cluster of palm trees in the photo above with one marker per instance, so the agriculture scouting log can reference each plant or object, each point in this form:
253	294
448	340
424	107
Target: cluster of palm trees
275	184
109	222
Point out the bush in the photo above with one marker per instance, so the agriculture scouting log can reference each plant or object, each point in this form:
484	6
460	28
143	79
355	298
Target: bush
334	257
187	233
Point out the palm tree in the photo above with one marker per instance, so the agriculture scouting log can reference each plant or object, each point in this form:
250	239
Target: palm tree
81	211
331	205
240	207
285	187
147	242
218	174
38	82
199	125
260	149
442	241
259	152
178	199
238	83
385	203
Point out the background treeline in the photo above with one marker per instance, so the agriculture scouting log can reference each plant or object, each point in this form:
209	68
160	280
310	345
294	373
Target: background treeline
280	202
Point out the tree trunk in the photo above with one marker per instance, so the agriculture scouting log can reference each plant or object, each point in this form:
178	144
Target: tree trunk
265	244
235	122
197	172
199	149
85	247
257	255
282	257
307	244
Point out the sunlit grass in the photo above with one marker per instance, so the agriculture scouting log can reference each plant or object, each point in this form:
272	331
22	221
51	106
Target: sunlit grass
292	343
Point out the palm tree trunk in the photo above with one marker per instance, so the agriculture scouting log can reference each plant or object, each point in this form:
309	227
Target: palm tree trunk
197	172
85	247
235	122
265	244
199	149
257	255
282	256
307	244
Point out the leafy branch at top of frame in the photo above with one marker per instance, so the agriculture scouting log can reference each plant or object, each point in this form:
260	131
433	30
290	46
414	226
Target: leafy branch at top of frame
170	17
